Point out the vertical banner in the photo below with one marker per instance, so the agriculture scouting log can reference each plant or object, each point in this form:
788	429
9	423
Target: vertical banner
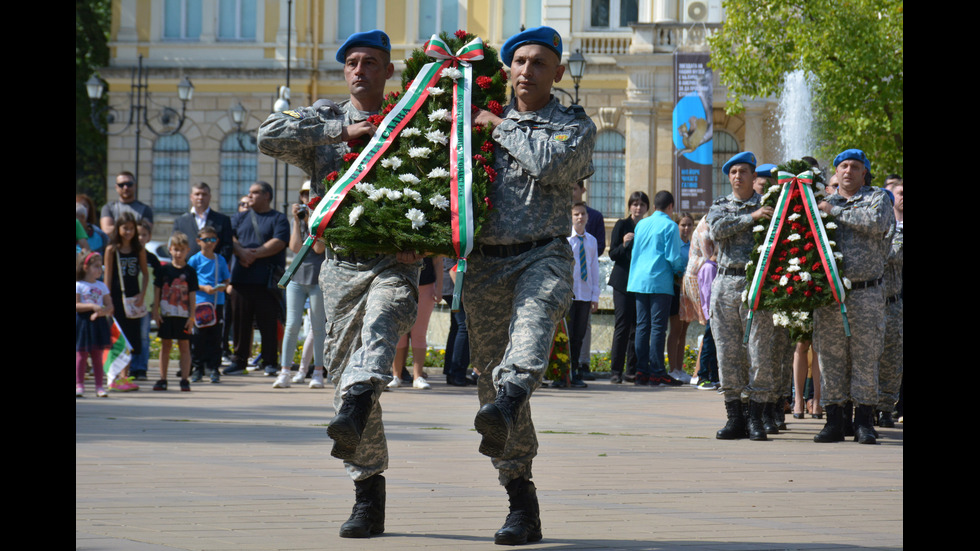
692	130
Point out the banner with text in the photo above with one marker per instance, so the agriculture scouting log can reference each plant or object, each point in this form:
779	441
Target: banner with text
692	131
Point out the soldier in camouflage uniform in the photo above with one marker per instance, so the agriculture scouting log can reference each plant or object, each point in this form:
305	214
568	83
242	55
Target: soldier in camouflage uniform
749	372
893	357
518	282
849	365
369	301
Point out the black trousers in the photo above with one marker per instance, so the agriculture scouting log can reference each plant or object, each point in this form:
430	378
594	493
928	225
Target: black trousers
258	304
578	324
624	333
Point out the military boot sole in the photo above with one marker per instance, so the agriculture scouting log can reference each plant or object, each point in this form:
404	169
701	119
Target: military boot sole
346	438
360	531
492	425
510	538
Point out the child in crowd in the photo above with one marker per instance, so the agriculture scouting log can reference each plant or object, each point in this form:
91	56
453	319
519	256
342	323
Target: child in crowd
125	263
173	309
213	276
141	361
585	288
93	310
708	378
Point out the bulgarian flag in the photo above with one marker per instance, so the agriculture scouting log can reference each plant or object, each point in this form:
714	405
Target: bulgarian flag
118	355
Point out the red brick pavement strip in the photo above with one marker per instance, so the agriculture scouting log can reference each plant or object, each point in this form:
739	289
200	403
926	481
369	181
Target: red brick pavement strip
241	466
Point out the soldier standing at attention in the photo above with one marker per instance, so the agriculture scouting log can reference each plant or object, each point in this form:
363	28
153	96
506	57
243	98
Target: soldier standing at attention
518	283
849	365
370	301
743	371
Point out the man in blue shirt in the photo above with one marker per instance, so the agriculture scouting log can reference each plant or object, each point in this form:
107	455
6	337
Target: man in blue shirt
658	254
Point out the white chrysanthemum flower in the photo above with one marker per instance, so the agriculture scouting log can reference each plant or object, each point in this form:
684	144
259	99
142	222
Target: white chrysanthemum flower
802	315
805	276
410	133
775	188
830	226
419	152
823	214
450	72
832	243
783	281
793	269
355	213
438	172
764	198
794	261
780	319
412	194
417	217
364	187
794	237
394	194
378	194
434	90
439	115
745	295
437	136
838	256
794	216
749	263
394	163
409	178
847	282
760	248
439	202
759	228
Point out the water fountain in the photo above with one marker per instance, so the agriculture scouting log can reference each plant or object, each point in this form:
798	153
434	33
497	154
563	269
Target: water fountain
795	116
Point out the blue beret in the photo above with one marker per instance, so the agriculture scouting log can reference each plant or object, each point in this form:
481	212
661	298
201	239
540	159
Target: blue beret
856	154
545	36
746	157
765	171
372	39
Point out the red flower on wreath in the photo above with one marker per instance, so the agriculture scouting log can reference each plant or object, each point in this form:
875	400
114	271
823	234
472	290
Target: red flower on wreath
775	290
479	159
808	246
315	201
495	107
817	289
461	34
376	120
794	251
798	208
789	290
332	176
355	143
348	157
816	267
491	173
484	82
489	204
487	147
808	293
503	74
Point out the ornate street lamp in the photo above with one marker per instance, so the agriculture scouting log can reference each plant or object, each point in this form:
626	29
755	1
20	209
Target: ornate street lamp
576	66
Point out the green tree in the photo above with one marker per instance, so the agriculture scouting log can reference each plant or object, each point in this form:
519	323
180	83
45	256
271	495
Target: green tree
853	48
92	18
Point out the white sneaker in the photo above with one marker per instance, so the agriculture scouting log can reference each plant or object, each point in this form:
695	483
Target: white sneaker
317	380
300	375
421	383
282	381
695	380
395	383
681	376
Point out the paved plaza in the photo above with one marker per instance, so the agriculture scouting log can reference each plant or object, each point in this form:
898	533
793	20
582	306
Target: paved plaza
240	466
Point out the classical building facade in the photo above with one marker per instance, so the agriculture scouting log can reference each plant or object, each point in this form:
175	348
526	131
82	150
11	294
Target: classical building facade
239	53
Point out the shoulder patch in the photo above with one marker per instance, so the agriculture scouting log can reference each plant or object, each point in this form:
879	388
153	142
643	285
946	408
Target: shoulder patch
560	137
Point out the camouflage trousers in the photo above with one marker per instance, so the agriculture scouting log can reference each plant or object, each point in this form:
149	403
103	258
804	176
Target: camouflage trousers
368	306
849	366
892	357
784	364
745	371
513	305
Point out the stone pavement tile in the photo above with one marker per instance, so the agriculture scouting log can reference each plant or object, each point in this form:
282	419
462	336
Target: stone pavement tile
242	466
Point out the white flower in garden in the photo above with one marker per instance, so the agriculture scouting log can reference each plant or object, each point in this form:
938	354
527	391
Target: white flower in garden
394	194
419	152
437	136
780	319
394	163
794	237
410	132
439	202
434	90
759	228
830	226
450	72
805	276
412	194
409	178
794	216
801	315
439	115
847	282
783	281
417	217
438	172
355	213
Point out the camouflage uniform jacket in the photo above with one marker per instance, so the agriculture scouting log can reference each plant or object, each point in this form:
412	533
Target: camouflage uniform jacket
730	225
894	264
310	138
539	155
864	225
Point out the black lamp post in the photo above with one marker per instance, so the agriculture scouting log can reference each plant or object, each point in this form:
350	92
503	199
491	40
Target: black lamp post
576	66
139	100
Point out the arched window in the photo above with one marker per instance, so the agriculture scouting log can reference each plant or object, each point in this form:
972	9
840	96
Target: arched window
239	169
171	174
605	190
725	146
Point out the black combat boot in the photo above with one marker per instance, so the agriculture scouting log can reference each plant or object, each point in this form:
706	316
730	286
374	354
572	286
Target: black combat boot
847	418
346	427
833	430
863	431
523	524
757	430
769	423
735	428
885	420
495	420
368	516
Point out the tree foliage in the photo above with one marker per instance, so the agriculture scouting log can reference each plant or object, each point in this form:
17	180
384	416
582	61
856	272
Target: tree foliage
92	18
853	48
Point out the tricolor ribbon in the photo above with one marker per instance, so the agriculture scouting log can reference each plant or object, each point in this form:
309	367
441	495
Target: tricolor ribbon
780	212
388	130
